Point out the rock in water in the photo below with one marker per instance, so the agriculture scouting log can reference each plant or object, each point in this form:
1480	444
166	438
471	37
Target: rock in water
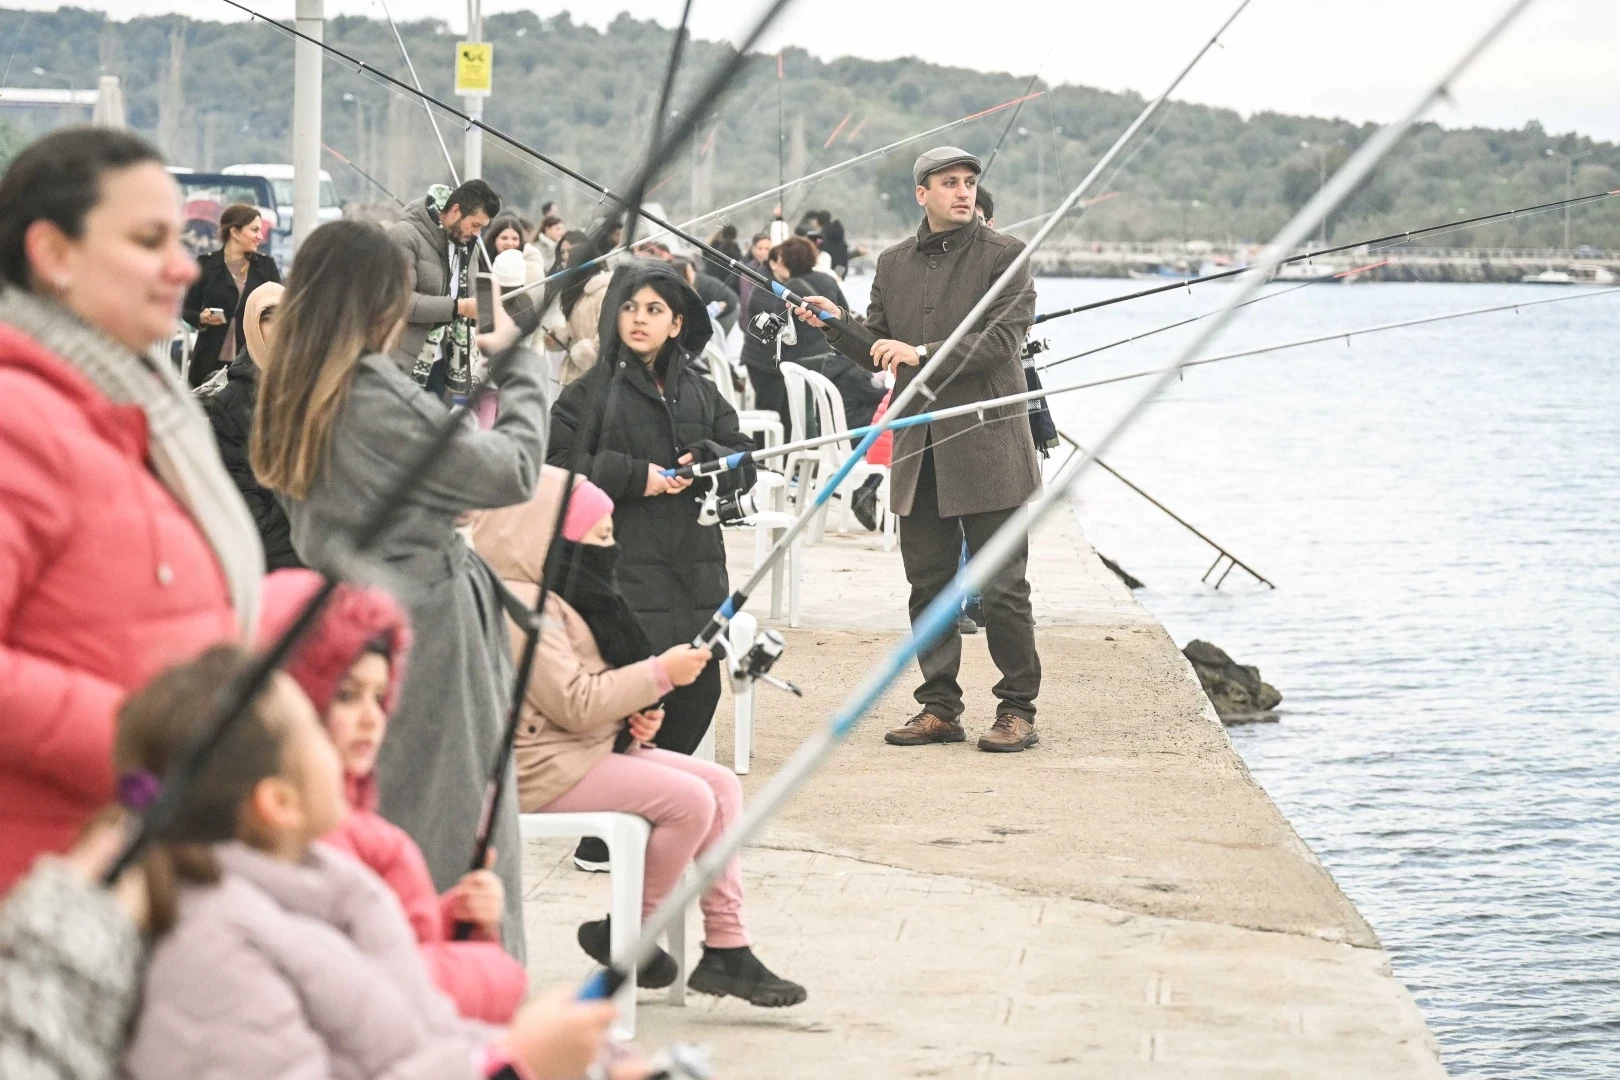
1239	694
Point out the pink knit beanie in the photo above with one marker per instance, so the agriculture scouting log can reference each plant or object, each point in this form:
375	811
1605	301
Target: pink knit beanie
589	505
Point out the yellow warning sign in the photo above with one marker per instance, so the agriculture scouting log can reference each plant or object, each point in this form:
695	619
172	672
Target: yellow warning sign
475	63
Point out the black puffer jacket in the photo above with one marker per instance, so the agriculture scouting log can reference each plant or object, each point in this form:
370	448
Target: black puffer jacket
231	413
671	569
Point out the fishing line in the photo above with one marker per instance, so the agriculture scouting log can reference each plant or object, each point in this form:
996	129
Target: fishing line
374	181
943	612
15	45
1379	242
432	119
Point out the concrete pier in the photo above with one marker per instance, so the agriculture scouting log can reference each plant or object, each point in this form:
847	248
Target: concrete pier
1122	900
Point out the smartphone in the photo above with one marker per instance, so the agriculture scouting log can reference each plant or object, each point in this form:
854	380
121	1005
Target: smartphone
485	290
217	312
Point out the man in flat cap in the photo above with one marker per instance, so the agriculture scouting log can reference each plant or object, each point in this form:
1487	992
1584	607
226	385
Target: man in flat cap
957	480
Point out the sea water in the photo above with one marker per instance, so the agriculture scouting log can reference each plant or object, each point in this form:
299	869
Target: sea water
1439	508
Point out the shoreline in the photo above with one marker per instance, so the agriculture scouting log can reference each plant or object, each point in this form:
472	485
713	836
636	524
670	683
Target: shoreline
1122	899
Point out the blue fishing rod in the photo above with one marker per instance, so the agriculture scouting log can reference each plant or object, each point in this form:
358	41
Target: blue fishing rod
943	612
918	385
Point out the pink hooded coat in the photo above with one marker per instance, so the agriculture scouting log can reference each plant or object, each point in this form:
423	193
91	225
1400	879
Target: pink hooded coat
483	981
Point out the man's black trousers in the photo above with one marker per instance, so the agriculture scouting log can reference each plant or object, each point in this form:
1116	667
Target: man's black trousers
931	546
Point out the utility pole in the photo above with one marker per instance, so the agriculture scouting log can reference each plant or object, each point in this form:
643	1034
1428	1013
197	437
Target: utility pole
306	148
1569	184
1321	182
473	153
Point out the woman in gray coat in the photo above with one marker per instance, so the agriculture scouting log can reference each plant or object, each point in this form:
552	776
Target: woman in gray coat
338	423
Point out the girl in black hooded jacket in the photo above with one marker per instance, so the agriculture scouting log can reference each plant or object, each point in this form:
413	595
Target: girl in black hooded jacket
642	408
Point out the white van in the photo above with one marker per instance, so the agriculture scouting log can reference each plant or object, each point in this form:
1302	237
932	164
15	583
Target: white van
281	179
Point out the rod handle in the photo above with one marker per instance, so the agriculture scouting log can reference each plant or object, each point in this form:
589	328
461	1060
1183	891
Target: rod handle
705	468
462	931
601	985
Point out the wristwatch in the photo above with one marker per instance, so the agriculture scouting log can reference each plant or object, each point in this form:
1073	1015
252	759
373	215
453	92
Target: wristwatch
922	352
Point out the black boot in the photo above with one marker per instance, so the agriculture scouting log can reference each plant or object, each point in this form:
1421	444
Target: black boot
739	973
657	972
591	855
863	502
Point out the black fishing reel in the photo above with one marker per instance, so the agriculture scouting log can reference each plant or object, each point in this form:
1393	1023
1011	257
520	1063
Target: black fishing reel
768	327
732	508
756	664
1034	347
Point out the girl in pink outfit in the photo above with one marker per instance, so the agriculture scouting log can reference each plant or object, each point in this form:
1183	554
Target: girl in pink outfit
351	665
596	690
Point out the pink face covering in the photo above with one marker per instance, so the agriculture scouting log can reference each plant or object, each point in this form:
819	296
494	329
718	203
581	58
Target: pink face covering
589	505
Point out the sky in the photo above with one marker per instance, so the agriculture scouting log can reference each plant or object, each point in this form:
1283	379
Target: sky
1358	59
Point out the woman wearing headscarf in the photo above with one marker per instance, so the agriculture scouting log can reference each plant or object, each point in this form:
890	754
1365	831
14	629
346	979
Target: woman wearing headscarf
338	423
124	546
581	306
231	413
643	408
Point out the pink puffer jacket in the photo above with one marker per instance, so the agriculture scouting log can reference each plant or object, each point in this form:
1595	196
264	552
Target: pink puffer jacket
303	970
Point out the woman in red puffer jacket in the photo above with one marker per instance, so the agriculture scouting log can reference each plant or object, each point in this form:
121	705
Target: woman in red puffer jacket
351	665
124	547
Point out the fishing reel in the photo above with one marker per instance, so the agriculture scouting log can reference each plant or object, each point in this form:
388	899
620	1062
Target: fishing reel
1034	347
755	665
732	508
770	327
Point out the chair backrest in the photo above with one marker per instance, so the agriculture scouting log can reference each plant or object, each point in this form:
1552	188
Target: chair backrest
829	413
796	378
720	373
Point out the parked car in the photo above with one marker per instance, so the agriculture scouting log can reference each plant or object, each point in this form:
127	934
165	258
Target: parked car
204	196
281	182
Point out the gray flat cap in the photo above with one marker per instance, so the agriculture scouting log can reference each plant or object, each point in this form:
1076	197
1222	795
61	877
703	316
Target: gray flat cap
943	157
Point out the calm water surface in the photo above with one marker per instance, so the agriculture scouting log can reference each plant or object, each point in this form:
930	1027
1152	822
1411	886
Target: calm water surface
1440	510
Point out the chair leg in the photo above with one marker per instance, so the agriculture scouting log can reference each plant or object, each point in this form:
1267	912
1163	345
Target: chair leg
677	949
627	863
776	577
795	568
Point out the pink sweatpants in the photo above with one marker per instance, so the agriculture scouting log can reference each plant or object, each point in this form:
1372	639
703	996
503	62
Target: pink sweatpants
689	804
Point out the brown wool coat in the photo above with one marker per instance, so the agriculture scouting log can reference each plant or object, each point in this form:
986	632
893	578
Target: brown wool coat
925	286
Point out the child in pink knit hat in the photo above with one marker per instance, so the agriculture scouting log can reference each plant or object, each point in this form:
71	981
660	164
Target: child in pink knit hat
351	665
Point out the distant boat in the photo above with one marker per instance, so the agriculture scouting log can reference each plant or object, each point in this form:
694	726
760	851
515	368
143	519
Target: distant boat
1549	277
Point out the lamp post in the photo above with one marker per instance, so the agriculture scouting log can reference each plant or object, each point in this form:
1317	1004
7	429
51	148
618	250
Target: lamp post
1040	169
1569	184
1321	181
359	128
63	79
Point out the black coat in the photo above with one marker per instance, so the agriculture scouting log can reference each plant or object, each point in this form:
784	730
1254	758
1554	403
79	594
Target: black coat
231	413
672	570
215	288
756	354
711	288
860	394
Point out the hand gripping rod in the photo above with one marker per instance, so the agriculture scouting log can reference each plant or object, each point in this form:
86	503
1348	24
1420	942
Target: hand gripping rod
943	612
918	384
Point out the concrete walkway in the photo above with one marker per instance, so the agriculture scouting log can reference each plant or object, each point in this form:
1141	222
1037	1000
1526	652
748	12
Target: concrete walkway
1122	900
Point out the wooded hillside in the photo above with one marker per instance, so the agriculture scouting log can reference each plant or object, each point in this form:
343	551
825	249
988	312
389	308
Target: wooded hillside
216	93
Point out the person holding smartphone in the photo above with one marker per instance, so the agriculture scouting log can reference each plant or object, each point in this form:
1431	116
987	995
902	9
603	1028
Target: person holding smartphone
213	304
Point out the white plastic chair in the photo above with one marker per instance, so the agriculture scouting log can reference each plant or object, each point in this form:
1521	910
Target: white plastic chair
801	466
763	425
626	838
829	404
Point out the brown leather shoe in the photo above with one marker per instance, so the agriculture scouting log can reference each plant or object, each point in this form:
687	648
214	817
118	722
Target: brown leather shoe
1008	735
925	727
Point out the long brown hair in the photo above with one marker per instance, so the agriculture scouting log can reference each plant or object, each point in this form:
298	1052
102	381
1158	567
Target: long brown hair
349	288
154	724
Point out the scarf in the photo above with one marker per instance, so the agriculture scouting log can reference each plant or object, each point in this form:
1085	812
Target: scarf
590	585
181	446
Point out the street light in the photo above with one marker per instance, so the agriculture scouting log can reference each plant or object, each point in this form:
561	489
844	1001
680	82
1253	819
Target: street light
1321	182
63	79
1569	184
359	127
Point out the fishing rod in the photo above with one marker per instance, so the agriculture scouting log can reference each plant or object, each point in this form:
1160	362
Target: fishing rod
732	461
710	252
1009	539
810	178
1013	119
918	384
433	121
374	181
1391	239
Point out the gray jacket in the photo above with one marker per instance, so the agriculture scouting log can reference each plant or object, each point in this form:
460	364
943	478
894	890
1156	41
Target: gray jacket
419	234
442	737
925	286
70	968
305	970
